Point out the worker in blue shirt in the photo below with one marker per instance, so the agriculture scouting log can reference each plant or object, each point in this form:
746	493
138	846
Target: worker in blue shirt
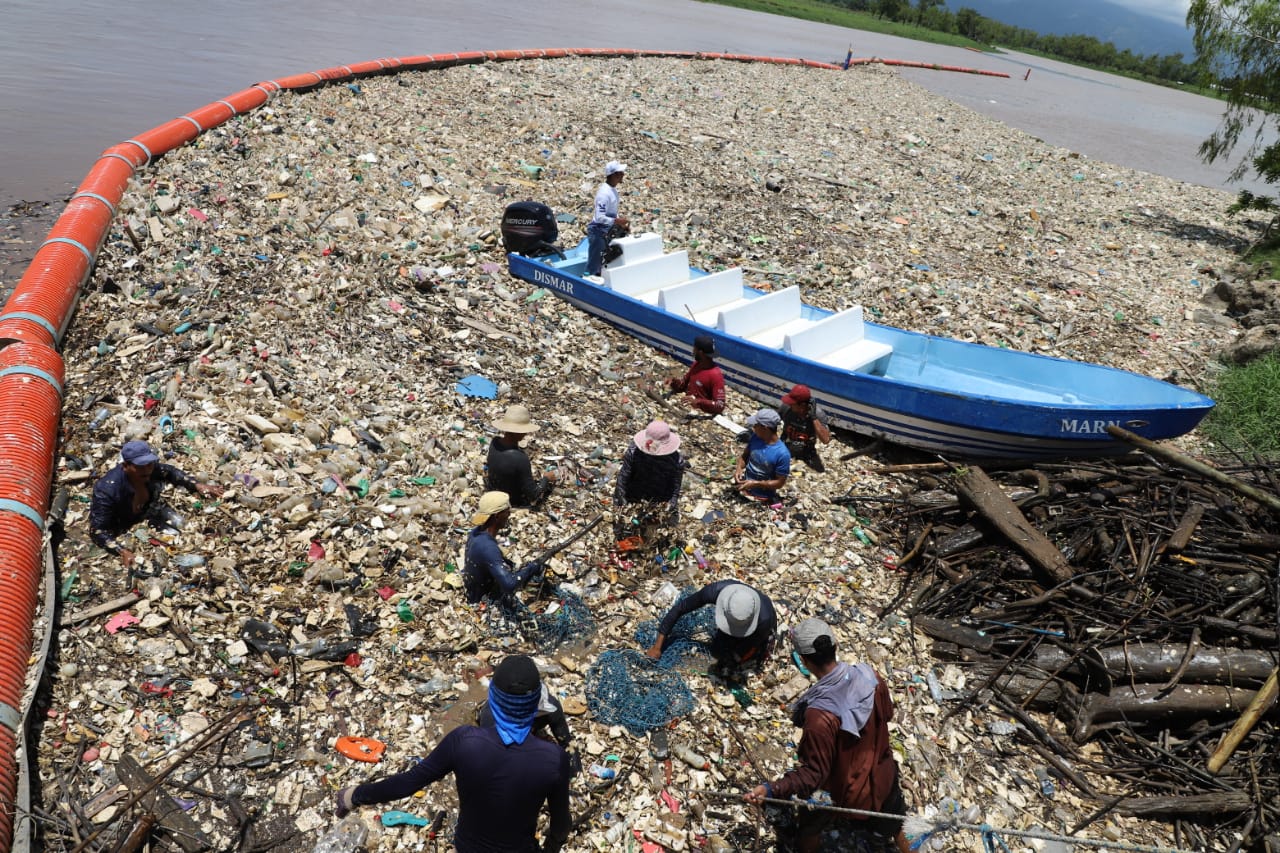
765	462
130	493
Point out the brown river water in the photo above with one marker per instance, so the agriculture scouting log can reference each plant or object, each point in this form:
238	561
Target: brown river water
76	78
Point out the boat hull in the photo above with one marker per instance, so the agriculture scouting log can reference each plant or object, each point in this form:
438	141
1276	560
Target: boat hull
963	401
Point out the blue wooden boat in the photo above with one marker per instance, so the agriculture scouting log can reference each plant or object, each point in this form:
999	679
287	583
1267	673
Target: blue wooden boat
937	394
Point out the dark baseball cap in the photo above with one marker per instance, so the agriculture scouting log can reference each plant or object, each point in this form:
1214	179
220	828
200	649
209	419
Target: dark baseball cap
138	453
705	343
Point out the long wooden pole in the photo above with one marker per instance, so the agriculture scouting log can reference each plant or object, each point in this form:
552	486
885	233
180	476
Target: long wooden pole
1265	498
1261	703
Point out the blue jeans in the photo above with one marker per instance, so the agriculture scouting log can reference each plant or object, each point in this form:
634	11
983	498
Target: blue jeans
597	242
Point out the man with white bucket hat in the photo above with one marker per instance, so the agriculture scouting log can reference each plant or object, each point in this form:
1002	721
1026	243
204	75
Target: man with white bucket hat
745	626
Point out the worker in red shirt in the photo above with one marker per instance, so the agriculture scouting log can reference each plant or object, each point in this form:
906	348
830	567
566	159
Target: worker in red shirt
703	385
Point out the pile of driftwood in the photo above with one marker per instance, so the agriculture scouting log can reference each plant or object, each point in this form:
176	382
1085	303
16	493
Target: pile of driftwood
1136	600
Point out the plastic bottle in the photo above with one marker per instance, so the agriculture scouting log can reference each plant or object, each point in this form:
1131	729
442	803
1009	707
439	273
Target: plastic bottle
99	418
601	772
347	837
189	561
1045	782
323	649
688	756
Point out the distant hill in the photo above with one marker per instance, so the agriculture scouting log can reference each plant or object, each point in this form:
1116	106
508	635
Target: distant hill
1125	28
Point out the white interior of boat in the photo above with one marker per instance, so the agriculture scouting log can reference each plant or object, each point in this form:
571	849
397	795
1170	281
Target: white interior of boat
778	320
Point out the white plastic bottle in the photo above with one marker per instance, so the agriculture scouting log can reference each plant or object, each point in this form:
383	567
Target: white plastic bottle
347	837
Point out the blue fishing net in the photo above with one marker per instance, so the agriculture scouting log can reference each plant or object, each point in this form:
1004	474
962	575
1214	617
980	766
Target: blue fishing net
626	688
689	637
571	620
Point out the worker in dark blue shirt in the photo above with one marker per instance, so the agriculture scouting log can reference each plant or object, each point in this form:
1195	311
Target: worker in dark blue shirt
485	572
504	776
745	625
130	492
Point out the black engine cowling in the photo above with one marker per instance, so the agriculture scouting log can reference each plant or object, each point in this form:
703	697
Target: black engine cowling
529	228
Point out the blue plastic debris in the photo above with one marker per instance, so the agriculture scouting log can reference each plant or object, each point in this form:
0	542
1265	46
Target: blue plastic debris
399	818
477	386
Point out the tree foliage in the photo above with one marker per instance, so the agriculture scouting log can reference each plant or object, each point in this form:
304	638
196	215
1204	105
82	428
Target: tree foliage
1238	48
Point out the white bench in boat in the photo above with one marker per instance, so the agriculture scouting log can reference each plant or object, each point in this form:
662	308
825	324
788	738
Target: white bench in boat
639	278
705	296
763	316
839	341
639	247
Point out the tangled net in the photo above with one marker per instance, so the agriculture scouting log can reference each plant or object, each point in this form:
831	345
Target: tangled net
626	688
630	689
548	631
688	639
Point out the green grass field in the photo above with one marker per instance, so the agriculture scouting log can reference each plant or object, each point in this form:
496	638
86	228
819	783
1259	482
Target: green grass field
824	13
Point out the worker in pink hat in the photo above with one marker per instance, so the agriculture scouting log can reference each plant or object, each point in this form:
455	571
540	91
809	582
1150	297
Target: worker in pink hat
651	474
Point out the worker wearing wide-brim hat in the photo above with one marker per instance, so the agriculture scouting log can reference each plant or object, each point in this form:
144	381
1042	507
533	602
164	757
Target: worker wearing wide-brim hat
745	625
507	468
486	574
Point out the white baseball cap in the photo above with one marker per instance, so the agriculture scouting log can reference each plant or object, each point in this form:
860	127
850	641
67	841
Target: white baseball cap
613	167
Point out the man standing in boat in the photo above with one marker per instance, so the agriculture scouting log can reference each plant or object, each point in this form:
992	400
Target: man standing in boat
605	216
703	384
802	426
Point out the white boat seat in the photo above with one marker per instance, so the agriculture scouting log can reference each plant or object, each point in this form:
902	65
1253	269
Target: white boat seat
635	248
761	314
700	295
839	341
641	277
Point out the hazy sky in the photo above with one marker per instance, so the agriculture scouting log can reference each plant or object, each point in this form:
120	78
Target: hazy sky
1170	10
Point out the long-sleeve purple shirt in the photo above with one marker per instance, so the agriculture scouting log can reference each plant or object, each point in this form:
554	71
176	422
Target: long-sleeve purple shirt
501	789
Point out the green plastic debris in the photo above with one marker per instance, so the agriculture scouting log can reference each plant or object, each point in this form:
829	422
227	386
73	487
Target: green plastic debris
424	481
536	295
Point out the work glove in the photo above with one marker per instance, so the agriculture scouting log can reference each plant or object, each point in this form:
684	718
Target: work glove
342	801
535	572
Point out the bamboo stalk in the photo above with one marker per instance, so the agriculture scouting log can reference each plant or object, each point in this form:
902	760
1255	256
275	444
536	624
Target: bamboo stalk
1261	703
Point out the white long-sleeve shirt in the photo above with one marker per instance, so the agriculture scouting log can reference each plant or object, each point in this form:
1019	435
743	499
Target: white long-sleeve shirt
606	206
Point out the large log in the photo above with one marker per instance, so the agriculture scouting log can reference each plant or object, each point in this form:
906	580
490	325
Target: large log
1151	662
941	629
995	506
1151	703
1223	802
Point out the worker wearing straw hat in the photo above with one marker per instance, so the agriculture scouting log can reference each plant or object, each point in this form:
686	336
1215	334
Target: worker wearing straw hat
507	468
486	574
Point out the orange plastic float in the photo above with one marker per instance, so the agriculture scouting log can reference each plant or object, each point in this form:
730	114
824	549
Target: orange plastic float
361	748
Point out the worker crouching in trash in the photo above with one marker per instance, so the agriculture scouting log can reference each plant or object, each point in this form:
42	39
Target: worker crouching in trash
845	747
647	492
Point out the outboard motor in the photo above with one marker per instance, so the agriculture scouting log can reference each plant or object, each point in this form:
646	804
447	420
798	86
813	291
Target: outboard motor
529	228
